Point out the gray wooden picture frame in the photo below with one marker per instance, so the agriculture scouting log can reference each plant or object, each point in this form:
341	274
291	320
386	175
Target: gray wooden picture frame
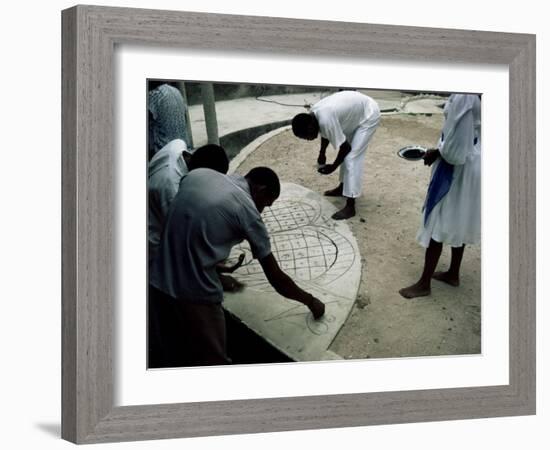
90	34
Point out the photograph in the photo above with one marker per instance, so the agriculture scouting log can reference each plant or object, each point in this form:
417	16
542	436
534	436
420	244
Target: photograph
271	222
292	224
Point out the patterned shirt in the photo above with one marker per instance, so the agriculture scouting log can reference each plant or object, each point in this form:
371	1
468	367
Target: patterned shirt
167	120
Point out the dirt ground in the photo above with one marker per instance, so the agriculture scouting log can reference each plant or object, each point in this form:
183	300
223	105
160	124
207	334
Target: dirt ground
383	324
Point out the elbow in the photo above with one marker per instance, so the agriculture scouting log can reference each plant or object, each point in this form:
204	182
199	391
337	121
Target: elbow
455	161
456	157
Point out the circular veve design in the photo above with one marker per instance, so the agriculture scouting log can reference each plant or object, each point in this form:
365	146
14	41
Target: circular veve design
306	254
287	215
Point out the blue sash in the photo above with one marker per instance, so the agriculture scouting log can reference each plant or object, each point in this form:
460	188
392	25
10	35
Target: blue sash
440	184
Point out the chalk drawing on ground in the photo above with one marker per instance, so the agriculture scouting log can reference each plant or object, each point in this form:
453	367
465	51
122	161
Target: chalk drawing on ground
320	255
306	254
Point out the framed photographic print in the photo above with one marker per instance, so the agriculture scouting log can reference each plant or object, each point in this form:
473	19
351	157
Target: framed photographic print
330	140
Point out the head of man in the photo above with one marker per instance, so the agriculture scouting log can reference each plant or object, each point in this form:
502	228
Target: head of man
305	126
209	157
264	186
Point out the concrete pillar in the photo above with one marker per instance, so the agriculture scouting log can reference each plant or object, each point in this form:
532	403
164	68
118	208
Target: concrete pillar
209	106
181	87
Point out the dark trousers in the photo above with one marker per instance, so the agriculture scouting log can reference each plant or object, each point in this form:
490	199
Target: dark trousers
182	333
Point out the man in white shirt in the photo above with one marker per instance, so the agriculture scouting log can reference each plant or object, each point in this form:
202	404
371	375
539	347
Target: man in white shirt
347	120
164	174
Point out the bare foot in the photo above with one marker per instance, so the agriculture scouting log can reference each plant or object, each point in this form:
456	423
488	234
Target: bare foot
336	192
446	277
344	213
416	290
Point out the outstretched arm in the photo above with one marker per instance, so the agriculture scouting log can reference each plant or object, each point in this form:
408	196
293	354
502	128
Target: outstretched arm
345	148
284	286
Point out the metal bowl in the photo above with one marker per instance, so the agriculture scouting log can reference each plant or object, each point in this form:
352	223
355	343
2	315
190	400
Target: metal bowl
412	152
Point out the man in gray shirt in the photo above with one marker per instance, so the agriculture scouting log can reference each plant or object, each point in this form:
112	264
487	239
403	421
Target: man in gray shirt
210	214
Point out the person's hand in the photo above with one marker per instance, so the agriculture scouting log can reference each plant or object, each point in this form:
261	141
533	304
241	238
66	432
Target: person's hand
230	269
321	159
317	307
327	169
430	156
230	284
238	264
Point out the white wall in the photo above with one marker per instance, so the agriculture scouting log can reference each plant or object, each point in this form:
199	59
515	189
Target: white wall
31	209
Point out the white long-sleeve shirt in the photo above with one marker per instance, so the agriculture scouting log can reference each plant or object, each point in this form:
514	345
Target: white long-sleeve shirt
164	174
456	219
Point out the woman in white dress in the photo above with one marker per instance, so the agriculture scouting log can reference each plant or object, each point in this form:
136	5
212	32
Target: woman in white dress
452	210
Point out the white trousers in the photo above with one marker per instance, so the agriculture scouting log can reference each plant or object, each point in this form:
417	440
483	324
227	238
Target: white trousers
351	169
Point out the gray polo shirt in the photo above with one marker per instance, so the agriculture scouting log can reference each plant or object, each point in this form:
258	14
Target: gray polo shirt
210	214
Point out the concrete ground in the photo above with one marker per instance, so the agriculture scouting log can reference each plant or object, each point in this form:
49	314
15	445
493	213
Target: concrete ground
249	112
382	323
